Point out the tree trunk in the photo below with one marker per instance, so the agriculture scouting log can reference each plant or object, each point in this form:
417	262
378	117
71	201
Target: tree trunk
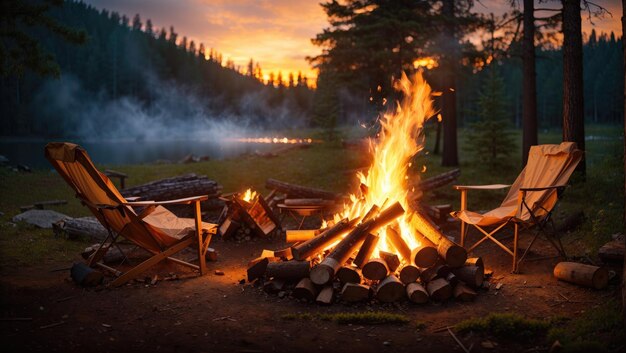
573	113
529	81
448	109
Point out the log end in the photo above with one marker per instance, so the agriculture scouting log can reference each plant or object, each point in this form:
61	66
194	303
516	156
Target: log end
409	274
425	256
348	275
455	256
390	290
417	293
375	270
321	274
353	292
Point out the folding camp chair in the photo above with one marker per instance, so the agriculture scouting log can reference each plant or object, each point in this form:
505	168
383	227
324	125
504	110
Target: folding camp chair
530	201
153	227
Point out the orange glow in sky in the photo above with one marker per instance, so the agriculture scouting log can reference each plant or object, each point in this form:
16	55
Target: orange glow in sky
277	33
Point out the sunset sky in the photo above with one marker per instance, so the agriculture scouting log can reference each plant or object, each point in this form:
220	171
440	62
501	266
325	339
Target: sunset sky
276	33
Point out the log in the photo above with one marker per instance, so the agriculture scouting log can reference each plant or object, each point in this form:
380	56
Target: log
612	251
284	254
582	274
258	266
175	188
454	255
438	180
439	289
390	290
394	237
299	191
475	261
409	274
349	274
288	270
323	240
375	269
325	296
442	270
305	289
83	227
424	255
463	293
416	293
85	275
428	274
294	236
308	202
325	271
366	250
391	259
274	286
452	279
472	275
353	292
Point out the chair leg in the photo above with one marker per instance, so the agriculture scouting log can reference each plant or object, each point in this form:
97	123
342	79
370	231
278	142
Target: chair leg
463	233
515	264
201	257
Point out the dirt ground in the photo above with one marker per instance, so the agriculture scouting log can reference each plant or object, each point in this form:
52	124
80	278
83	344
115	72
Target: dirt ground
217	313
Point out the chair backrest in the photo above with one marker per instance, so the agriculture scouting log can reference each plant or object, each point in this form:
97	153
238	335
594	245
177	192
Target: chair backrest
547	165
73	163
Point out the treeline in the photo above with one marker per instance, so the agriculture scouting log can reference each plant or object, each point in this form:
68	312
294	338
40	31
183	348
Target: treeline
128	59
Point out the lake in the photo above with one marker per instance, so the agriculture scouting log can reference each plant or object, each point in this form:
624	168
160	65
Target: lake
30	152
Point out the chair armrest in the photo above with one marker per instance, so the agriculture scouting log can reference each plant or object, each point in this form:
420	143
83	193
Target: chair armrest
481	187
133	198
542	188
183	201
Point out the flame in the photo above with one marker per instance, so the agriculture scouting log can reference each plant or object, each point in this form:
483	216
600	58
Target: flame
249	195
427	62
401	137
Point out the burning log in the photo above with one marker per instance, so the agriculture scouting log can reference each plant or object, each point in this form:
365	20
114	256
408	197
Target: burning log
425	255
288	270
349	274
463	292
471	275
409	274
325	271
391	259
305	289
454	255
284	254
582	274
298	191
295	236
354	292
321	241
390	290
416	293
396	240
326	295
366	250
439	289
375	269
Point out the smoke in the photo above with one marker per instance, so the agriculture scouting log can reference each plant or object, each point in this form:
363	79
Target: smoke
65	108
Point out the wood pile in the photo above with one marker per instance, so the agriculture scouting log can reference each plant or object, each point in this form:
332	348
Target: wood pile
241	220
341	263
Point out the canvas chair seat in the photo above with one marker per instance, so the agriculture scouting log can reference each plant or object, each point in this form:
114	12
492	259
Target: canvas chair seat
530	200
154	228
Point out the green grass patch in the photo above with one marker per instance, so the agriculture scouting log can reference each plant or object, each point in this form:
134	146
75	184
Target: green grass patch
359	318
505	325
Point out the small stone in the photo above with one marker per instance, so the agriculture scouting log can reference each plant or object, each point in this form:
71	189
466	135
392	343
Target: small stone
281	294
499	285
387	343
219	272
487	344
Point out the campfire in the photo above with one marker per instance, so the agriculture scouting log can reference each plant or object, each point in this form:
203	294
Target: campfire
380	241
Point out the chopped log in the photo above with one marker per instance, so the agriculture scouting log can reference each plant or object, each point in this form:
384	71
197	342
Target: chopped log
257	267
308	202
375	269
325	297
288	270
582	274
325	271
228	228
424	255
438	213
294	236
612	251
428	274
439	289
455	255
472	275
409	274
354	292
323	240
299	191
416	293
442	270
284	254
366	250
267	253
305	289
394	237
274	286
211	254
390	290
175	188
87	227
349	274
391	259
463	292
85	275
452	279
475	261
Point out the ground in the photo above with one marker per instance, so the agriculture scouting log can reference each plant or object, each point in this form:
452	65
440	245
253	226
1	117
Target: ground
217	313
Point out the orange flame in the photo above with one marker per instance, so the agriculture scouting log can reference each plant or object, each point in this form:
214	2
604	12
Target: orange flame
249	195
401	137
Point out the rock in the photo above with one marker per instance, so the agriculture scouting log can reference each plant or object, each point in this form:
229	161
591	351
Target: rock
3	159
219	272
40	218
281	294
487	344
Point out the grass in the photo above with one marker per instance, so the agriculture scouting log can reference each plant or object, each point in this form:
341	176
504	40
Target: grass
359	318
505	325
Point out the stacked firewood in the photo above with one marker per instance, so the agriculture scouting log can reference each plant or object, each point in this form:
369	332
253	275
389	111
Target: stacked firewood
336	263
241	220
